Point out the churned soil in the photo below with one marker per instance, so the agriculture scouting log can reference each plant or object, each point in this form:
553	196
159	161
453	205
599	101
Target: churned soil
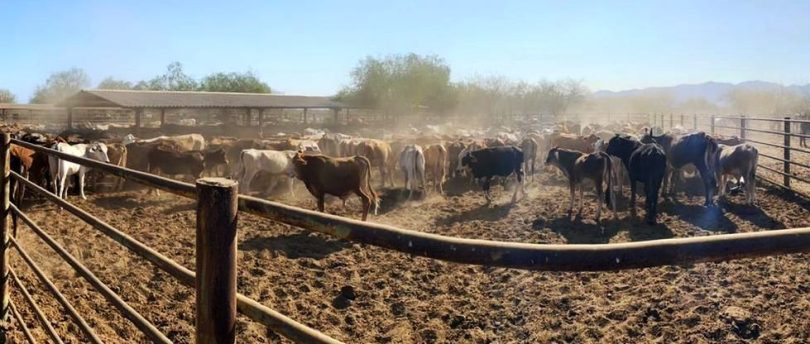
362	294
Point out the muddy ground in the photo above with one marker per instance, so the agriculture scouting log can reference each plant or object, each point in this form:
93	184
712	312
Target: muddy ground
362	294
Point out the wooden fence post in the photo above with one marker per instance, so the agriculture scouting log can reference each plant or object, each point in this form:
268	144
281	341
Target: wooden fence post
711	125
786	163
216	260
5	178
742	127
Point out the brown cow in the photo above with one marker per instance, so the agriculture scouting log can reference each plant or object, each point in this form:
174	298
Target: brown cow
584	144
578	166
435	161
30	164
378	153
167	159
339	177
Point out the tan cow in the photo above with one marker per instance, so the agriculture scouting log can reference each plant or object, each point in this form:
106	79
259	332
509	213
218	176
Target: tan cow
584	144
378	153
435	161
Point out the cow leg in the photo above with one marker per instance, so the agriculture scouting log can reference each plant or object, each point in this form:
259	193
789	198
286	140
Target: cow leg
572	190
598	200
320	202
581	199
486	186
247	178
708	187
366	200
290	181
633	197
81	185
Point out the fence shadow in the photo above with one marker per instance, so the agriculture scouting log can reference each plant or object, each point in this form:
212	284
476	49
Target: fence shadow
706	218
485	212
577	231
753	214
299	245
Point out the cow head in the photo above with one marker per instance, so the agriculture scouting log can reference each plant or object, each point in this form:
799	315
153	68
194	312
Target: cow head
553	158
97	151
129	138
466	163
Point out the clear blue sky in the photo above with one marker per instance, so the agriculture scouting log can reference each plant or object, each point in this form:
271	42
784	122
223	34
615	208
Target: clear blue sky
307	47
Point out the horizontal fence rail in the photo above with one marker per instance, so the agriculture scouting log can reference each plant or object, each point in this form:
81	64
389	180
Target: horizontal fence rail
253	310
590	257
130	313
56	293
26	332
46	323
597	257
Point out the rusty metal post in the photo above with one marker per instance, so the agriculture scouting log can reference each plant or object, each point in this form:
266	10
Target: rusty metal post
786	157
711	125
5	179
742	127
162	117
216	260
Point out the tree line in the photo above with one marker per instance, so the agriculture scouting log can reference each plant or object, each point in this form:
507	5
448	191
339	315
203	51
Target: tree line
62	84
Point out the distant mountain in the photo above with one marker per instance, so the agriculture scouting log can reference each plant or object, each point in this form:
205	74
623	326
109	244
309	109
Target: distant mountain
715	92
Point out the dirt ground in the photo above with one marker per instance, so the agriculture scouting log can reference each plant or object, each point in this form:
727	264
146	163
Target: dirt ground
362	294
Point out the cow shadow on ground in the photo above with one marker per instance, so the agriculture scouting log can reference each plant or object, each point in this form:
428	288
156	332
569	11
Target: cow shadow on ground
458	186
577	230
393	198
491	212
123	202
706	218
752	214
299	245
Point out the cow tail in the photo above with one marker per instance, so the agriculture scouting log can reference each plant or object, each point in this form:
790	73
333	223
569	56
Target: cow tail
611	175
365	175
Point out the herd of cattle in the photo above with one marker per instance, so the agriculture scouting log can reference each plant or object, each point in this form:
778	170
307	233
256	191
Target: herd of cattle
341	165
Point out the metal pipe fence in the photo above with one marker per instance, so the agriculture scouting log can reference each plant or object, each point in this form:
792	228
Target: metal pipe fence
598	257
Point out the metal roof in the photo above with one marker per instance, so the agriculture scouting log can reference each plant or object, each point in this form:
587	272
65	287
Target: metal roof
184	99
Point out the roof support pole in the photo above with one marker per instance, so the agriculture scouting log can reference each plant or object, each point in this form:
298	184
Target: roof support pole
261	122
162	117
305	115
138	115
347	116
70	118
336	111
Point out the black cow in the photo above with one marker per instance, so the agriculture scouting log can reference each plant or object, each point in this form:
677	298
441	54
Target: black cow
695	148
167	160
645	163
495	161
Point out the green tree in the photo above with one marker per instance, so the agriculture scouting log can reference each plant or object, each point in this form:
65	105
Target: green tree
233	82
173	80
7	97
401	84
60	85
113	84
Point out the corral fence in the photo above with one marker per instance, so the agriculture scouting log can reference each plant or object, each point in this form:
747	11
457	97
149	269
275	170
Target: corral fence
214	278
780	164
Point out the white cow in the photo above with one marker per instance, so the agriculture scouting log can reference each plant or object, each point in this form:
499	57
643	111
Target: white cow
187	142
61	169
412	164
739	162
276	163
